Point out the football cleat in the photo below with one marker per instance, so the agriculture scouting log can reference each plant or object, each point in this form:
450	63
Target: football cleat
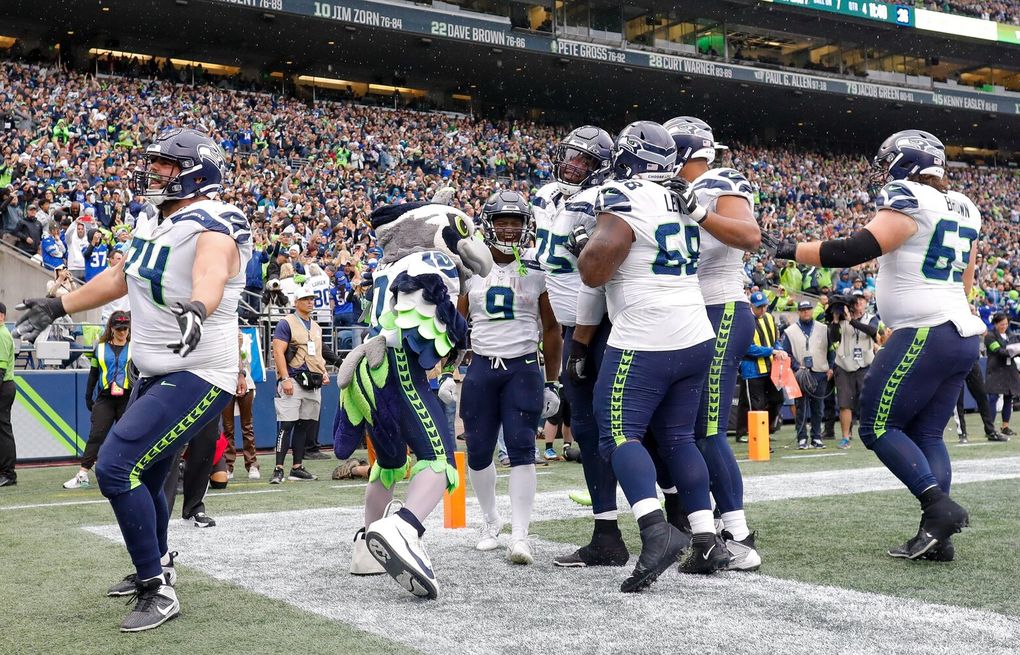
939	522
395	544
488	535
993	436
519	552
603	550
79	481
745	556
661	547
155	604
943	551
582	498
126	587
362	562
708	555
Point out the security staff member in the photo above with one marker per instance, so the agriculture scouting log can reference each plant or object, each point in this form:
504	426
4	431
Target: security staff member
111	360
854	335
757	391
807	341
8	450
300	375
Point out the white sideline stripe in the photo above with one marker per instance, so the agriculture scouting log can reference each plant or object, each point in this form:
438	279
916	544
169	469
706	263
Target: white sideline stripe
746	613
812	456
355	485
99	502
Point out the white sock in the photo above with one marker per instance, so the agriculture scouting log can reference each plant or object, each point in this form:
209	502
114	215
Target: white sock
165	560
646	506
484	484
523	482
702	521
671	490
611	515
736	524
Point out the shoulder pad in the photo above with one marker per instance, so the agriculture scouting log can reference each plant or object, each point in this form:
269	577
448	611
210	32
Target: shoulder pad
725	181
229	221
612	200
897	196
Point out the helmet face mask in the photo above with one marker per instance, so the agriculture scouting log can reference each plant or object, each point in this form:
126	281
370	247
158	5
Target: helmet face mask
582	159
507	223
198	161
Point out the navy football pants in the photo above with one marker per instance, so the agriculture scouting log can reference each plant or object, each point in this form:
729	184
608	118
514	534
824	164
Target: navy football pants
598	472
908	397
505	393
164	414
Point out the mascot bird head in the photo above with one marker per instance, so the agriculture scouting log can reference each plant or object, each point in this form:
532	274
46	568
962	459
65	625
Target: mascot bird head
407	229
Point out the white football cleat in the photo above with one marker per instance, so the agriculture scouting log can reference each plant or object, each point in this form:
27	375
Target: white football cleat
362	562
488	535
519	552
395	544
80	480
745	557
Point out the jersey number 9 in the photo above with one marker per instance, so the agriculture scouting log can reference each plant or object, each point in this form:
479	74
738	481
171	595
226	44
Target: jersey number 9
499	303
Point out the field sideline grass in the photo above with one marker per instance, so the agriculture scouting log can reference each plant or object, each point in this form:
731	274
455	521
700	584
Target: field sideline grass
53	574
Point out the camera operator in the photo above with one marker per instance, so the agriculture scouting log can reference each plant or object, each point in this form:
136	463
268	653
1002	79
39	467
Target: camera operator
854	335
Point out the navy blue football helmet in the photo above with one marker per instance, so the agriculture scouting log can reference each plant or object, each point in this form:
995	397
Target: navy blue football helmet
504	204
200	161
693	138
645	150
910	152
582	159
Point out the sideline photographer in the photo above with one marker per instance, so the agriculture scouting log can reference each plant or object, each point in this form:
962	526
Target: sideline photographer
854	335
300	374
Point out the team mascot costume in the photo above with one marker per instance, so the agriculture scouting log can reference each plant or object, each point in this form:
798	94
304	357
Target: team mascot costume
429	251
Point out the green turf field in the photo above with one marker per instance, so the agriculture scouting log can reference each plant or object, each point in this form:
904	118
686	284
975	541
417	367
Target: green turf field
276	581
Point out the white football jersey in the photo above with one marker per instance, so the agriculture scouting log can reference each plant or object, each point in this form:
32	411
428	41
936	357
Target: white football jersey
555	218
654	299
720	267
159	268
503	308
920	284
320	284
421	263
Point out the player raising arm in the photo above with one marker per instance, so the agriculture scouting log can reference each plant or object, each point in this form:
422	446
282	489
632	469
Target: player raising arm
924	237
183	277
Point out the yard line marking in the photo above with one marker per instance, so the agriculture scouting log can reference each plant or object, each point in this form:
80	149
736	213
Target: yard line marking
475	585
356	485
71	503
810	456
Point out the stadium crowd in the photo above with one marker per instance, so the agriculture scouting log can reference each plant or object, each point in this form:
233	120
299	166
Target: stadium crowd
1002	11
308	177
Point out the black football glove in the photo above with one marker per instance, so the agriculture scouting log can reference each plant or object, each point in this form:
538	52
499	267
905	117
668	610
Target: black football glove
577	361
687	199
778	247
577	240
190	316
39	313
89	402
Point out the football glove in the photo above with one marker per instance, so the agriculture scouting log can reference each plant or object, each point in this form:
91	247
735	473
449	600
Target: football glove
577	240
550	399
777	247
39	314
190	316
447	389
576	362
687	199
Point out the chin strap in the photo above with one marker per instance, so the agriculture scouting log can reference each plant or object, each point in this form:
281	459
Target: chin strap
522	270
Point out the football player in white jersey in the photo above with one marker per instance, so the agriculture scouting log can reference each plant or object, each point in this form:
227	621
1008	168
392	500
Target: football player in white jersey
924	237
721	201
645	252
564	215
504	386
183	278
